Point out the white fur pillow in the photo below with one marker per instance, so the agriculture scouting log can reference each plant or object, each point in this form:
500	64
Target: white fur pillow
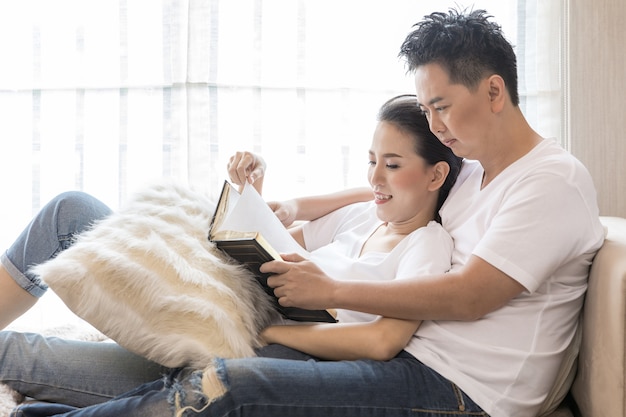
148	278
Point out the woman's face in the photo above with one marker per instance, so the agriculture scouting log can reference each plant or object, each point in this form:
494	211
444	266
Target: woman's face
400	178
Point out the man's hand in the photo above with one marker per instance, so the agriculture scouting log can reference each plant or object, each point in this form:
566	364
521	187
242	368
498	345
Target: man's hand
300	283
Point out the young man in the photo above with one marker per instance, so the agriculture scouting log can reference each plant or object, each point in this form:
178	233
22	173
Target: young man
524	219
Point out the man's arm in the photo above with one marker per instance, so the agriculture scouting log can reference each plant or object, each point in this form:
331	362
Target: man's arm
381	339
469	293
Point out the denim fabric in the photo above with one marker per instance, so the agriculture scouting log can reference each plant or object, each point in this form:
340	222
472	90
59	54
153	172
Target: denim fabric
71	372
52	230
270	387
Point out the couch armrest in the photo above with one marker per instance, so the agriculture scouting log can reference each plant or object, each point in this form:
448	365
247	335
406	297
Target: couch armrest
599	388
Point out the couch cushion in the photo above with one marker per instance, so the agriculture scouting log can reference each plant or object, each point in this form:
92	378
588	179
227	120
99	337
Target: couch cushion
562	411
599	385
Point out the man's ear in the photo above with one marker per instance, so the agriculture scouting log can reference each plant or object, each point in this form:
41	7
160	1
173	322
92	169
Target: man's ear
497	93
440	172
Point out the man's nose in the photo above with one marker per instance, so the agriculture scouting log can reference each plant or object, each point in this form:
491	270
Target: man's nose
436	124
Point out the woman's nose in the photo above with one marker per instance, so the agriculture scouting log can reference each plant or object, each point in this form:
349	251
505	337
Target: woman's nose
377	174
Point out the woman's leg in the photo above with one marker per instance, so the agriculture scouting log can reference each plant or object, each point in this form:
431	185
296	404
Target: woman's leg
267	387
51	231
52	369
14	300
71	372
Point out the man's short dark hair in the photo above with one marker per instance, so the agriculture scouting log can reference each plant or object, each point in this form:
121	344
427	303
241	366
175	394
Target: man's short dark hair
467	45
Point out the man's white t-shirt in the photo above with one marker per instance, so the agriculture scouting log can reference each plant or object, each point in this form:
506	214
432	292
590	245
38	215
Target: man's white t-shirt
336	240
537	222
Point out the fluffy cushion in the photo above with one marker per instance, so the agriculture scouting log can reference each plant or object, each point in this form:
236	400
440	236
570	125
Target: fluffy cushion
148	278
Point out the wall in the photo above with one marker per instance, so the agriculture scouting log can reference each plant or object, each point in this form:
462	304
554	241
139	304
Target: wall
597	99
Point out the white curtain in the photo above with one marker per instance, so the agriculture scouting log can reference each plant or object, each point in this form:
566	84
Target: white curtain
102	96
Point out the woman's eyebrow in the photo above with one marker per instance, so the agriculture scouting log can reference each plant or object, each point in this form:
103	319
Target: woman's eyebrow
388	155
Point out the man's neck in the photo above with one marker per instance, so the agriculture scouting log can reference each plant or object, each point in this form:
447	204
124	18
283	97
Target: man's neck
517	139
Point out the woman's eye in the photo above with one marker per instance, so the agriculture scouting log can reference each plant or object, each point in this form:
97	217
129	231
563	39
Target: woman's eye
388	166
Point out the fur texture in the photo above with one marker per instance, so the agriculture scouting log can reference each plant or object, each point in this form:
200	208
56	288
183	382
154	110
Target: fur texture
148	278
9	399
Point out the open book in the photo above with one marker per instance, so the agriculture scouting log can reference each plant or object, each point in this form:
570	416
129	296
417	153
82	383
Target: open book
246	229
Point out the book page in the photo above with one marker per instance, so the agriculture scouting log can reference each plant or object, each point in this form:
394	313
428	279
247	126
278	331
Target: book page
248	212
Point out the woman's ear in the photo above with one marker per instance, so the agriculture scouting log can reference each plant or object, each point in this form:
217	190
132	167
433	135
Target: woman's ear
440	172
497	93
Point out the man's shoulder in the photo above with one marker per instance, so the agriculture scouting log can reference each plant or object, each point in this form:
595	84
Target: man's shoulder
550	154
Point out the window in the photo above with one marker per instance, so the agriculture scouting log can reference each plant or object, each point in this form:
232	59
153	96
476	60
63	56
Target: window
103	96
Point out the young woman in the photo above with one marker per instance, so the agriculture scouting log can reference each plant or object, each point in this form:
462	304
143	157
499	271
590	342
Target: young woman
394	236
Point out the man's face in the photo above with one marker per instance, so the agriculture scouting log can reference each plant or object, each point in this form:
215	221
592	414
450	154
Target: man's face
458	116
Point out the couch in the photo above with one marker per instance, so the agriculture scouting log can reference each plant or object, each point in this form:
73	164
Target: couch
599	387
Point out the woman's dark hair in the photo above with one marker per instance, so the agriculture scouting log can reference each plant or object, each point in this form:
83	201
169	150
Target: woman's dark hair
404	113
468	46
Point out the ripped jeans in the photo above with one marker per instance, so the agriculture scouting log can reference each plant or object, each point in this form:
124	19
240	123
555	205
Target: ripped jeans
271	387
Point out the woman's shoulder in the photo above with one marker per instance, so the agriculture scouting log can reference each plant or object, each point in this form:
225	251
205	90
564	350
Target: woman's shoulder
432	234
435	229
428	250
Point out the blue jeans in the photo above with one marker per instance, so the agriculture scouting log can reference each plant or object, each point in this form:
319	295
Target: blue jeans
270	387
102	379
279	382
51	231
71	372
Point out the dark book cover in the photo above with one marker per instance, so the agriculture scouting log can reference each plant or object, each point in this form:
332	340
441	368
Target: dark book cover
252	250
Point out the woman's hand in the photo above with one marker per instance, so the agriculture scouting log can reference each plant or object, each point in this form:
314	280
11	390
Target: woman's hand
247	167
286	211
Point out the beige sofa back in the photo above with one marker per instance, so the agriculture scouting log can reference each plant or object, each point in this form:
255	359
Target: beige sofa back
599	389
